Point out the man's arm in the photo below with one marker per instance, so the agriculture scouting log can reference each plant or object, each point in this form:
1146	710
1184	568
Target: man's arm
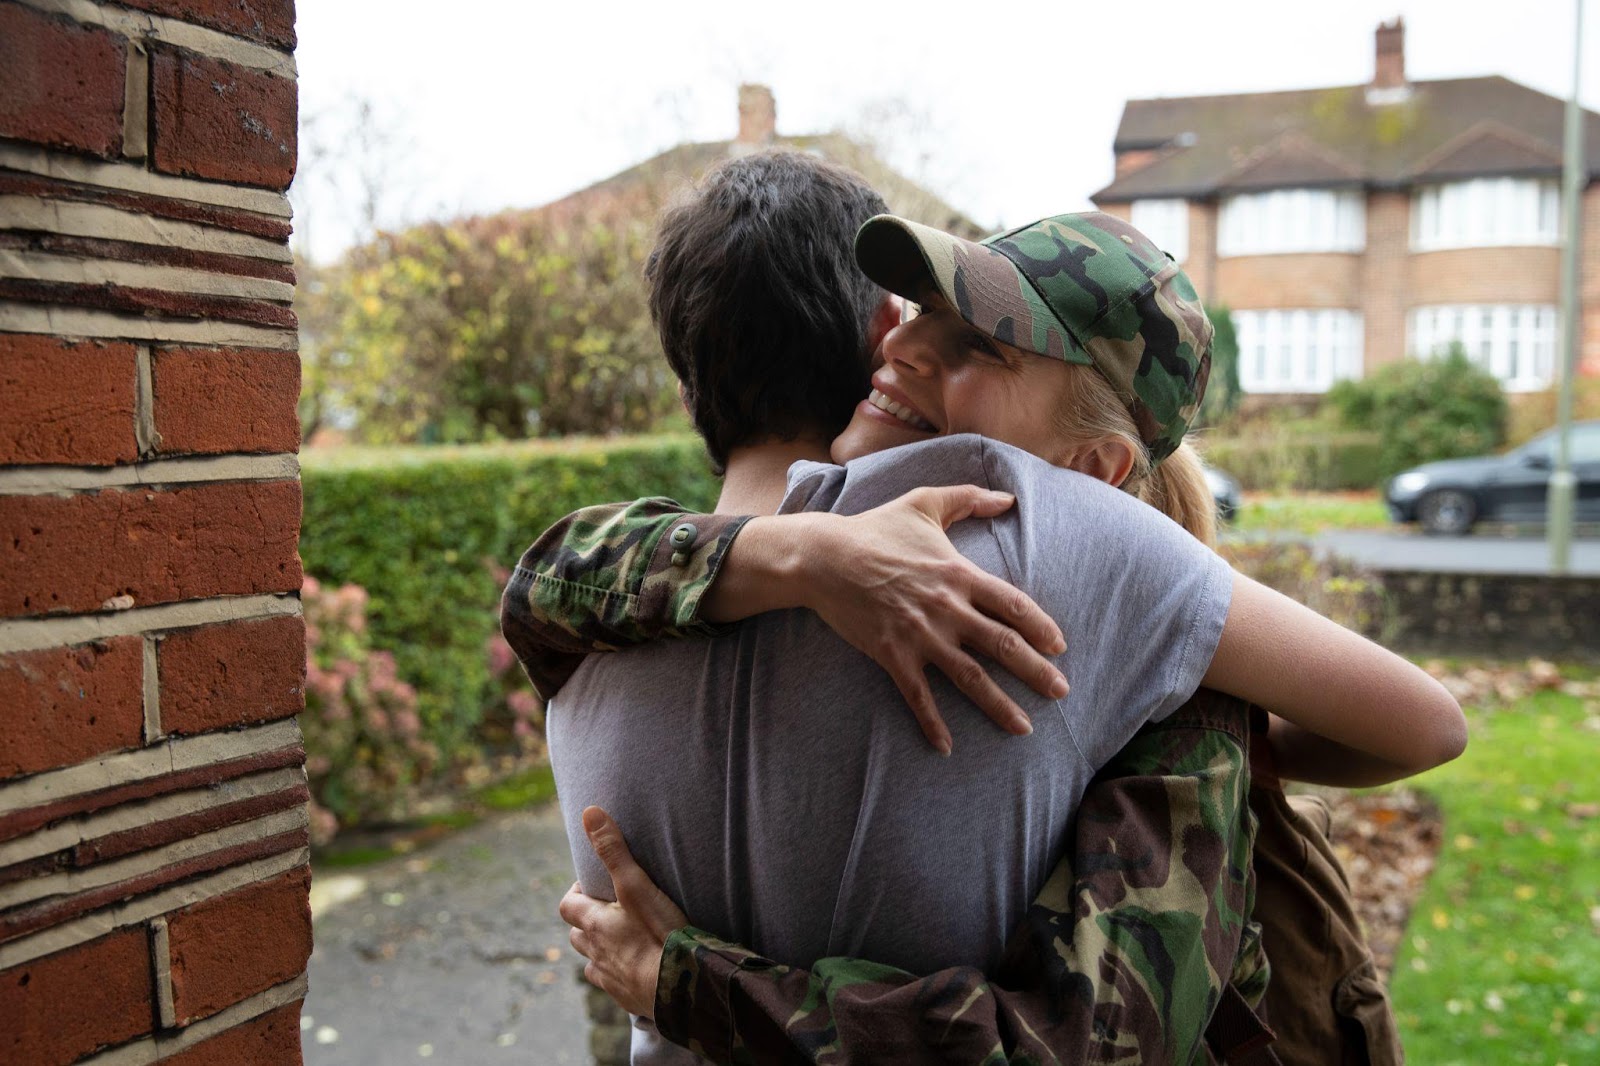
1125	953
611	576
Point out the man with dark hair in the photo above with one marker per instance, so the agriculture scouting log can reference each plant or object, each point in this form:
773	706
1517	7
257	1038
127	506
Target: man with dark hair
1118	960
761	309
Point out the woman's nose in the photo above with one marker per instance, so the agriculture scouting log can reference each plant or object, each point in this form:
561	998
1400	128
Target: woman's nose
908	347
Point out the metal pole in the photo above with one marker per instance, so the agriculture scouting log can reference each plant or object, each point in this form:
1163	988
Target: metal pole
1563	483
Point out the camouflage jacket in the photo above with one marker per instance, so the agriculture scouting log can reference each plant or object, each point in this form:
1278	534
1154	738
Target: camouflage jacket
1124	957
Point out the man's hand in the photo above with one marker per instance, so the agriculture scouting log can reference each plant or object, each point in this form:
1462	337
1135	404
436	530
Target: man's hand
889	582
621	940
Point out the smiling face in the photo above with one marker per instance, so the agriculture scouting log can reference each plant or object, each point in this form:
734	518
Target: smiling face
941	375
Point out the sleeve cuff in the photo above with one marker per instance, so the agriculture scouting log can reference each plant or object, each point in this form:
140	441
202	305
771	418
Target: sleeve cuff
683	565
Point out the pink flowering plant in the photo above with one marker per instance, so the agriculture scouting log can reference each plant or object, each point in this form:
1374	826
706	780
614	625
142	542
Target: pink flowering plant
365	754
513	719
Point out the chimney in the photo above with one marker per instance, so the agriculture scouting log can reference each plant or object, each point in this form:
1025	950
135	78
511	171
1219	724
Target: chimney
1389	71
758	117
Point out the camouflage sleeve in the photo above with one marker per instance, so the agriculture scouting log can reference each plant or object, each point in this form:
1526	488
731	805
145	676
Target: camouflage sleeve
1121	958
611	576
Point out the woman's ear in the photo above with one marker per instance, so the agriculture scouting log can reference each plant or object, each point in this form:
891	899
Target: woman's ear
1110	461
885	318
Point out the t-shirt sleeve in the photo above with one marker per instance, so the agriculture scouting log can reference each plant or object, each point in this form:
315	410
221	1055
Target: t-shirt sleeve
1141	601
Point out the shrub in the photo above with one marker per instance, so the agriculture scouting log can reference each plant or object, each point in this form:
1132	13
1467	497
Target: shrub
1426	409
1280	460
1332	587
365	755
1223	391
424	530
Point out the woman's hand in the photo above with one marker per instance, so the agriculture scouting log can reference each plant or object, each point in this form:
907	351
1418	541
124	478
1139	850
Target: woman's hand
621	940
890	583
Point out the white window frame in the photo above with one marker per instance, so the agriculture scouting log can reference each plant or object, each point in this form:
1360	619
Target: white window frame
1166	222
1288	221
1298	350
1485	213
1514	342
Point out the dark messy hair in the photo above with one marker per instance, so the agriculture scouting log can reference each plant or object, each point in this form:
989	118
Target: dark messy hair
760	306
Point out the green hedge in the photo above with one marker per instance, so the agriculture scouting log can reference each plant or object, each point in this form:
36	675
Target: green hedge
1324	462
422	529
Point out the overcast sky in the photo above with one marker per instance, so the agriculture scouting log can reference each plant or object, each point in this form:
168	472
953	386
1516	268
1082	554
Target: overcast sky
1007	109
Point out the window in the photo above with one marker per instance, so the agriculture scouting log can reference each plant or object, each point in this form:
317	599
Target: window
1515	343
1166	222
1292	220
1485	212
1297	351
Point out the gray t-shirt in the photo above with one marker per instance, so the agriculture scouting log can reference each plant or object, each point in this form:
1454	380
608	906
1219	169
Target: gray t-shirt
773	782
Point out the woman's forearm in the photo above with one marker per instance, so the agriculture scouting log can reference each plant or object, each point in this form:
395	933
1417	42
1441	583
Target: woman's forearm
1334	684
766	568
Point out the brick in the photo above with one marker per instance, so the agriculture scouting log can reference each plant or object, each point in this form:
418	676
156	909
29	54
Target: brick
231	674
67	705
60	1008
257	225
61	83
219	120
129	299
54	910
261	386
139	547
270	1040
227	949
66	403
131	252
14	824
1261	282
267	21
1484	276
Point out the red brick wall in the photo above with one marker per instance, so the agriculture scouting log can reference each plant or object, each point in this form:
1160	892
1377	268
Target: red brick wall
1384	296
1589	284
1484	275
1264	282
152	653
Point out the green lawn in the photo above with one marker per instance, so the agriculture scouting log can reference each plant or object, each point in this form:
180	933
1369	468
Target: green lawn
1309	512
1501	962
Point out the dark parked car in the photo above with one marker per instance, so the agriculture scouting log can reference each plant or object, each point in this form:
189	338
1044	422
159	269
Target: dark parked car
1225	491
1448	497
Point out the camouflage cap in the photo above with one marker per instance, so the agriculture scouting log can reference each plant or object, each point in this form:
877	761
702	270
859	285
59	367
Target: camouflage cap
1085	288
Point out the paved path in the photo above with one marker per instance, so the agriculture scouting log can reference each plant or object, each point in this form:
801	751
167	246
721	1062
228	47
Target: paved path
1486	552
454	954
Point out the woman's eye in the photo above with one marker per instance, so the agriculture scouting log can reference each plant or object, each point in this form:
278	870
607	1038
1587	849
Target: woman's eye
984	346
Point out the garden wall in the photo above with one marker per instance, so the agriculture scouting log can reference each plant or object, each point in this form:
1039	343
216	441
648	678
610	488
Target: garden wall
1502	615
153	827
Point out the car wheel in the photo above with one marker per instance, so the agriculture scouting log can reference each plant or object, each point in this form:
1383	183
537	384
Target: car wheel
1448	512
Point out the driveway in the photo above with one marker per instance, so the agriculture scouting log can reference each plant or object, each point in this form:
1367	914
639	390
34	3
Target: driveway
454	953
1487	552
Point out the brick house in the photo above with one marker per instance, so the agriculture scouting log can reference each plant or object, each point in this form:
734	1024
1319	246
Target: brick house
1352	226
154	858
643	189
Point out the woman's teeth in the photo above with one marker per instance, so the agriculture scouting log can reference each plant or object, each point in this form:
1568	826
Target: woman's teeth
900	411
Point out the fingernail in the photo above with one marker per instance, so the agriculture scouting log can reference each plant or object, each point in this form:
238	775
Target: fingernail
1059	687
1024	726
944	746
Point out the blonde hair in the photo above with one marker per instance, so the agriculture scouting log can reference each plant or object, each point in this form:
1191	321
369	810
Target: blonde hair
1176	487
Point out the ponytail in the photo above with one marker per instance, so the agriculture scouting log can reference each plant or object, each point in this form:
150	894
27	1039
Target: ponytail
1176	486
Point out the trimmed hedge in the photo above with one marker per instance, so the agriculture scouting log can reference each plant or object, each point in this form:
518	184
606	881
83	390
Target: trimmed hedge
425	530
1326	462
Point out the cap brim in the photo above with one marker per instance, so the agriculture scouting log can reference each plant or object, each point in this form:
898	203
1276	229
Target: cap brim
981	284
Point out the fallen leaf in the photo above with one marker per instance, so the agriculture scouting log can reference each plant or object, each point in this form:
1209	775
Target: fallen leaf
1583	810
